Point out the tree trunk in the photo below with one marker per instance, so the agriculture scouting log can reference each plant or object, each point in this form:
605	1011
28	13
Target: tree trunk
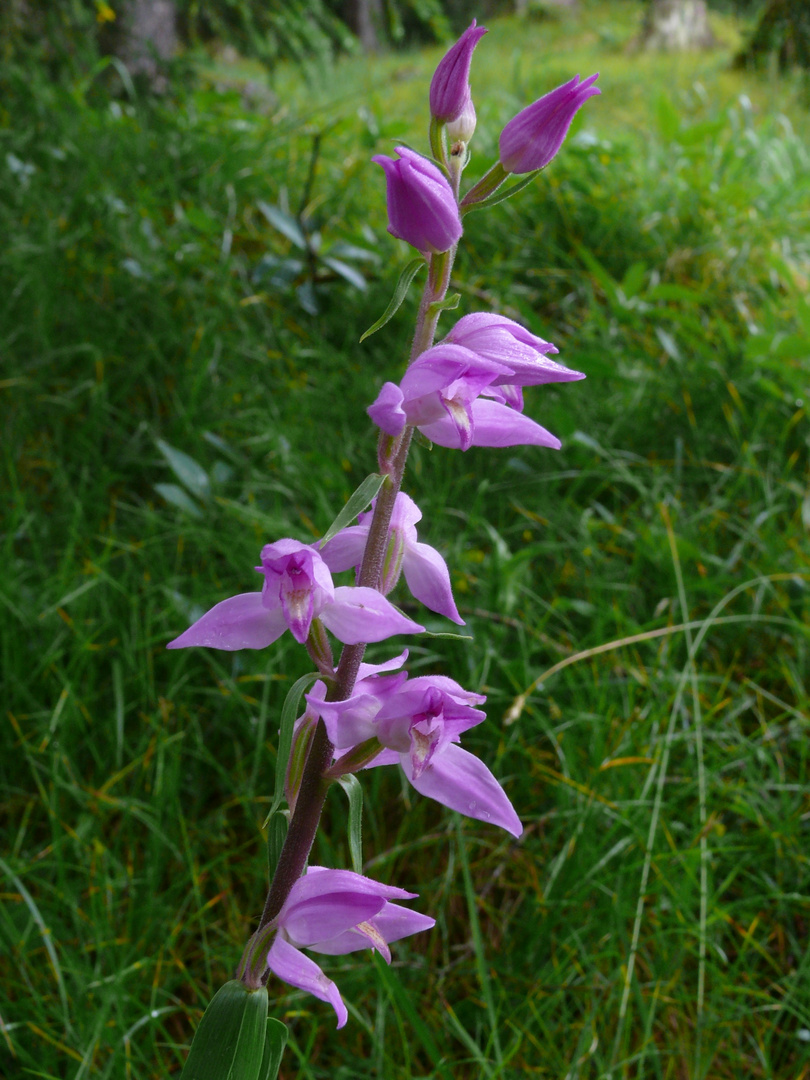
674	25
145	38
364	18
783	31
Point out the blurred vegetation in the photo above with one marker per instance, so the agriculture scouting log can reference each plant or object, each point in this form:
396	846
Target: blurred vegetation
69	40
171	400
782	32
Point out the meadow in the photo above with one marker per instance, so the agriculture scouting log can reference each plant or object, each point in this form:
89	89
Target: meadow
181	382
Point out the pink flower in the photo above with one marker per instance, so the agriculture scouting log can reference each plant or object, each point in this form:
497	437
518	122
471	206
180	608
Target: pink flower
421	206
533	137
297	589
496	338
335	912
426	572
450	88
418	724
440	394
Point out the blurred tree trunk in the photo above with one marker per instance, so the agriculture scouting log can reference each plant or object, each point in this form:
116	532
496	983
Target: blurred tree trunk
364	18
144	37
783	30
671	25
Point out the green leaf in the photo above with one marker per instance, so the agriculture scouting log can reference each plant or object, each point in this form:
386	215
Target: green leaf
351	251
677	293
276	835
289	715
230	1042
450	303
189	472
358	501
633	280
273	1048
668	117
177	497
348	273
354	791
285	224
409	272
501	194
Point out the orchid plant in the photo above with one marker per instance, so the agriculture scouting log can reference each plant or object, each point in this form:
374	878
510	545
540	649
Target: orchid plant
464	390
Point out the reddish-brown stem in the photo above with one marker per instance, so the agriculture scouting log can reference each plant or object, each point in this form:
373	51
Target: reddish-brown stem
314	783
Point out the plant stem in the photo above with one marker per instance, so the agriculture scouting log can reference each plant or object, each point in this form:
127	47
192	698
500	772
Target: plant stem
314	782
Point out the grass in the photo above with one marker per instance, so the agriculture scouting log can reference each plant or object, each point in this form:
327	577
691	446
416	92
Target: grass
653	920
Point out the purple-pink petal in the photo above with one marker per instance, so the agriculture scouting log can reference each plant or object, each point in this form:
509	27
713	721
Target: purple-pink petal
396	662
364	615
345	549
428	579
494	425
532	138
351	721
291	966
385	757
449	87
483	332
240	622
391	924
461	781
498	425
496	338
387	412
318	918
442	364
320	880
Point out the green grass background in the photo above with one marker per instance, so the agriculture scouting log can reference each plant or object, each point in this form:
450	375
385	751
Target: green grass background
639	600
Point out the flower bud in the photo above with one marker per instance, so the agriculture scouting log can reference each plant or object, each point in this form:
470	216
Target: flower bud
421	206
533	137
450	88
462	129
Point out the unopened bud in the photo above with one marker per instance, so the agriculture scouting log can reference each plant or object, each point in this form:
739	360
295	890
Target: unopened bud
462	129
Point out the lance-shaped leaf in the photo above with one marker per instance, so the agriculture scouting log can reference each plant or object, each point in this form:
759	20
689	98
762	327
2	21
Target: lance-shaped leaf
189	472
273	1048
229	1043
499	196
409	272
354	792
356	504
